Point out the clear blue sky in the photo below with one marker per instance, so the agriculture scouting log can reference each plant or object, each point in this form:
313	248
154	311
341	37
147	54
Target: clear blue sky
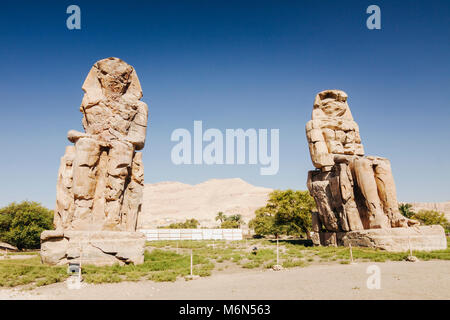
231	64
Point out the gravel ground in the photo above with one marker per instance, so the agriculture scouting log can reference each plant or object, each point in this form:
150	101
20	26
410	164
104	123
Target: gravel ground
399	280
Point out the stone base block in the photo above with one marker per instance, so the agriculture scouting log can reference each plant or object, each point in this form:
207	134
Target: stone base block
92	247
423	238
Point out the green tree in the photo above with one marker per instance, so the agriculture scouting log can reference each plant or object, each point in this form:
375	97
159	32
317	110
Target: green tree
188	224
21	224
406	210
230	224
287	212
264	222
430	217
220	216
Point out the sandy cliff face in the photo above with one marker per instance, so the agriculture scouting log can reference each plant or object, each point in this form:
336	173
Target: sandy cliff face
168	202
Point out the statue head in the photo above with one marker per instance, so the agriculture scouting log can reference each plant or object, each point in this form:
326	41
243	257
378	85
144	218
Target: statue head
331	104
114	76
111	78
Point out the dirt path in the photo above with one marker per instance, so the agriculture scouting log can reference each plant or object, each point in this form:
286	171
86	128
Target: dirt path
399	280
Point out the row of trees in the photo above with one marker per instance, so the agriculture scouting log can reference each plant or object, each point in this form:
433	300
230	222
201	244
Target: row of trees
229	222
188	224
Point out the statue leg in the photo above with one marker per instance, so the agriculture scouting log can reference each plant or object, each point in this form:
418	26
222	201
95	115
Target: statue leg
319	188
132	201
348	197
375	217
64	197
84	181
388	195
118	175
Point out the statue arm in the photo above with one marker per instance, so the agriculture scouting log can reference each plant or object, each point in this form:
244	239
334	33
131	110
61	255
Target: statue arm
320	155
138	127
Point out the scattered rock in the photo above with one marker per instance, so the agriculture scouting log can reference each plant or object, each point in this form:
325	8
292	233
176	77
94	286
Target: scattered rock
277	267
412	259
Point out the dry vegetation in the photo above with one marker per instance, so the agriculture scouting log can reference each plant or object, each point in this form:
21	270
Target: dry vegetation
170	260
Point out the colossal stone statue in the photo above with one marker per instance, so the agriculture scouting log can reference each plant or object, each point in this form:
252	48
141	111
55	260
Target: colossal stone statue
100	179
353	192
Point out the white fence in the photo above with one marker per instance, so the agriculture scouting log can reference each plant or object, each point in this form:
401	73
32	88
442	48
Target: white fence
192	234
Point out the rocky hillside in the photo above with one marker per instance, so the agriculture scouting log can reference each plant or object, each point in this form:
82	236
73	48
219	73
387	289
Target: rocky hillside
168	202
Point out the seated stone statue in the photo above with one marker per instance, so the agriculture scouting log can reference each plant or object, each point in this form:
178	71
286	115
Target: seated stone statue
352	191
100	180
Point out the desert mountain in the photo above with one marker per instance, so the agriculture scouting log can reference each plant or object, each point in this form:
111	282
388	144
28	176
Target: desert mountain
168	202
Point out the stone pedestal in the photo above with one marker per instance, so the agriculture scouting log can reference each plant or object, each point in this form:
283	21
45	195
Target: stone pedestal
92	247
423	238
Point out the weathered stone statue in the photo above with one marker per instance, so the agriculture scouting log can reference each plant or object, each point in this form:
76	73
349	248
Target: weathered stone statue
100	180
354	192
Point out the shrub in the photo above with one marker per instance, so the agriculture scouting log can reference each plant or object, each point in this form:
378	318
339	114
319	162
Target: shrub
188	224
21	224
430	217
230	224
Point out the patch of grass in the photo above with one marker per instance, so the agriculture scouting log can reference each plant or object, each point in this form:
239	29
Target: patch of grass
159	265
22	253
163	263
163	276
29	271
293	263
251	264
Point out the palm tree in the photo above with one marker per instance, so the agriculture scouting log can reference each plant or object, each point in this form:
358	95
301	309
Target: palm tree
237	218
406	210
220	216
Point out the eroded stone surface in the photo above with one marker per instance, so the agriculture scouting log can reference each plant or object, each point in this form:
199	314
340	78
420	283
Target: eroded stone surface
422	238
100	179
92	247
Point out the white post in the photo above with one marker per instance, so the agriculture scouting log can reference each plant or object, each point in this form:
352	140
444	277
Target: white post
277	252
351	252
81	255
410	249
191	263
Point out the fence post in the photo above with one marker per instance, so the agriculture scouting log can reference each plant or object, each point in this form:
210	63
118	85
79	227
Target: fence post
191	263
409	244
351	253
278	263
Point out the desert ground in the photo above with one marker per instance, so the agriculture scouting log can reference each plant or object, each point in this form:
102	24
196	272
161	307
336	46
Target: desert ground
399	280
